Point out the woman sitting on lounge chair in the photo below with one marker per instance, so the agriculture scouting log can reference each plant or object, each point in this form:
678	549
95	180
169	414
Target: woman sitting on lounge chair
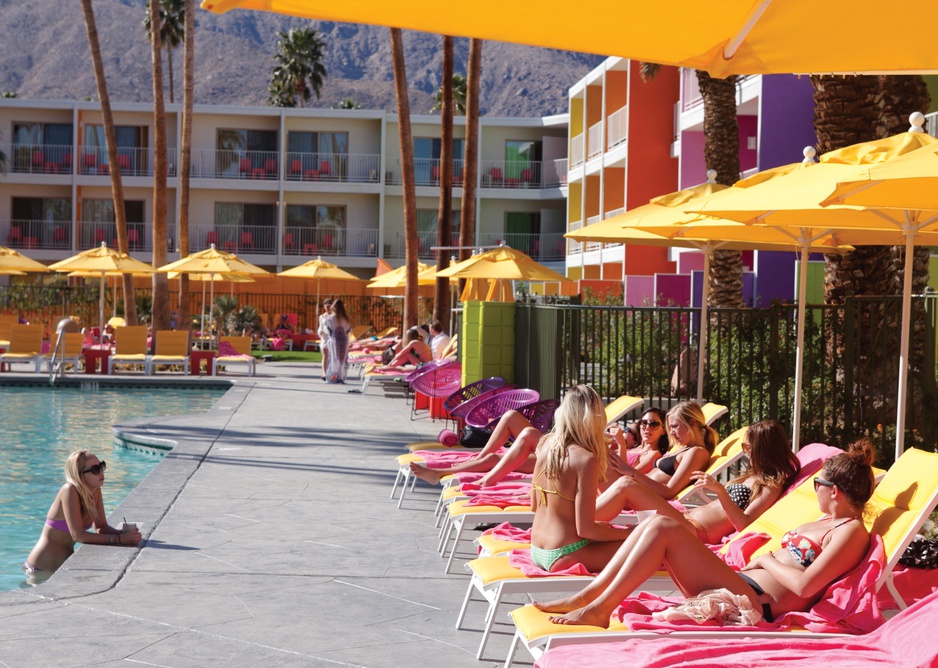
772	468
653	441
790	579
77	507
414	351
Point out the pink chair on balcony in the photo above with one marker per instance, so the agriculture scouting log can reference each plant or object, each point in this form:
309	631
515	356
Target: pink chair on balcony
133	238
124	162
99	236
288	242
66	166
496	176
325	169
39	161
247	240
60	237
211	238
435	174
327	243
296	168
245	168
310	249
90	163
527	176
14	236
270	168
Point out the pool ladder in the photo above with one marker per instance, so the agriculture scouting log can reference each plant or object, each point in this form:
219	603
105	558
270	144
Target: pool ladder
56	368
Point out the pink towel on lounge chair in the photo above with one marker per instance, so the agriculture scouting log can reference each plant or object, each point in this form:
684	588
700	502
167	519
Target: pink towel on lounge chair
913	584
225	349
441	459
474	476
521	559
899	643
502	488
448	437
505	531
503	500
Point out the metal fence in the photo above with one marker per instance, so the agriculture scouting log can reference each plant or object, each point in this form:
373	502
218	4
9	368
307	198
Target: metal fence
850	375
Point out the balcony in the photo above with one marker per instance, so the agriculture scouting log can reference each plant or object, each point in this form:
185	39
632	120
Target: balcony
133	161
41	159
576	151
617	127
426	173
37	234
334	167
540	247
139	235
510	174
312	241
255	239
594	140
253	165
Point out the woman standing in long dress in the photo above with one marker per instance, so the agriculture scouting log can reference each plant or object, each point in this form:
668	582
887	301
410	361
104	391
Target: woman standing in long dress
338	325
324	334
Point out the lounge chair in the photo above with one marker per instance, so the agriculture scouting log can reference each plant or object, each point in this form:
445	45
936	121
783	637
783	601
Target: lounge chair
25	346
69	353
713	412
6	324
130	347
241	346
898	508
358	331
172	347
451	349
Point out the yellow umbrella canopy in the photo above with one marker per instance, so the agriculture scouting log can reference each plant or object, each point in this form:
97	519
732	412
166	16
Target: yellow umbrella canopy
13	260
319	268
12	272
502	263
908	182
212	261
230	278
723	36
397	278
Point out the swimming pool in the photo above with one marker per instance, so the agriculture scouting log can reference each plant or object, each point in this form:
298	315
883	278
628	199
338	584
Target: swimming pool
42	425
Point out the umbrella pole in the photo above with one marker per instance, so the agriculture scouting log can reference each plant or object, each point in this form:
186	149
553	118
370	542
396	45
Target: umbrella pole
211	305
101	292
904	342
705	296
114	300
799	352
202	324
317	302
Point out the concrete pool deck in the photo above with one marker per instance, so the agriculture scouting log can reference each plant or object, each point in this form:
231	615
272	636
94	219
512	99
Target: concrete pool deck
271	540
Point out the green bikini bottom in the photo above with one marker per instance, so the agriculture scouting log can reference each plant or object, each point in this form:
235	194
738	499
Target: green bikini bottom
546	558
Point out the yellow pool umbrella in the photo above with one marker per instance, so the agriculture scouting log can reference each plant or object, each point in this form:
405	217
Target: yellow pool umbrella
212	261
102	261
502	263
319	269
722	36
792	202
397	278
12	272
13	260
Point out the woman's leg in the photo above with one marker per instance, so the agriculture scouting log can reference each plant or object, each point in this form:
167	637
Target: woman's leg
520	457
625	493
692	565
474	465
594	557
509	427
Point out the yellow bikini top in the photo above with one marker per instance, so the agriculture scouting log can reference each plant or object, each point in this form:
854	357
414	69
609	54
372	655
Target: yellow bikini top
544	492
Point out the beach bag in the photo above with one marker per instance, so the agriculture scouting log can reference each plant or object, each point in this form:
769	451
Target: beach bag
474	437
387	355
921	553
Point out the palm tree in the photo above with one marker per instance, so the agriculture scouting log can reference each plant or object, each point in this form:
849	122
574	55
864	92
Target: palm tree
721	153
458	87
172	18
110	136
161	315
467	212
348	103
299	68
441	306
188	98
406	139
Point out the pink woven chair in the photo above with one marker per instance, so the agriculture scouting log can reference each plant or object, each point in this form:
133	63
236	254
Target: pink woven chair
437	383
462	410
472	390
494	408
540	414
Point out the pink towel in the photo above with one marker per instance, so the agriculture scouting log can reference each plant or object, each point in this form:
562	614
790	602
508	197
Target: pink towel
500	500
521	559
472	476
503	488
441	459
448	437
913	584
505	531
225	349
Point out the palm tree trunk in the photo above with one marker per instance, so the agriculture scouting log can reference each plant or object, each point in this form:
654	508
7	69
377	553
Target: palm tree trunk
721	152
411	243
117	187
169	71
188	76
441	305
470	176
160	315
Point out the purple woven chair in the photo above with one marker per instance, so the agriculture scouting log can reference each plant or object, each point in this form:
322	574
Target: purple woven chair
493	408
425	368
437	383
472	390
462	410
540	414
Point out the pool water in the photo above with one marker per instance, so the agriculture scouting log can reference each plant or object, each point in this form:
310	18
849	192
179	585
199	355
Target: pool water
41	426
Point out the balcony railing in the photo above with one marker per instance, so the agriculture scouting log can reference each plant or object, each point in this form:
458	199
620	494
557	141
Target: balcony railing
556	173
593	245
139	235
336	167
426	173
33	234
256	239
518	174
255	165
617	127
394	245
541	247
594	140
312	241
133	161
573	246
576	150
40	159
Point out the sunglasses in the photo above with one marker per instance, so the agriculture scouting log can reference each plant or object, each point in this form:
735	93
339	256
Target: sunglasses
651	424
97	469
820	482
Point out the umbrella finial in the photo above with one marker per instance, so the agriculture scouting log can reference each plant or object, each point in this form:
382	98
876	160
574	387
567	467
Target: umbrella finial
711	176
103	244
917	119
809	152
212	246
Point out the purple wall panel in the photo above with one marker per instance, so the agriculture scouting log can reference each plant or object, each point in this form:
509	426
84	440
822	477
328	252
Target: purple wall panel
672	289
776	276
787	108
687	262
693	167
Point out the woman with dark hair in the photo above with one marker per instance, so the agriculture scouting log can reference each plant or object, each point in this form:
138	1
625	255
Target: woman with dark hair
77	507
792	578
338	326
643	442
413	350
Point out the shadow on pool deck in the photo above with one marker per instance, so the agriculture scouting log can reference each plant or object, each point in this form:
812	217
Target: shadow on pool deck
272	540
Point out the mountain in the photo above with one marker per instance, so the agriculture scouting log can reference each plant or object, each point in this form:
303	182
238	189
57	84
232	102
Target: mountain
45	56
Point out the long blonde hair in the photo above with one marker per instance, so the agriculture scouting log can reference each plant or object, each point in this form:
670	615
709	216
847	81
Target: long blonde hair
690	414
580	420
74	465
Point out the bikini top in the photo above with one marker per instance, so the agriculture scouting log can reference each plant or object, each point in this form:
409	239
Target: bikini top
740	495
544	491
803	548
668	463
62	525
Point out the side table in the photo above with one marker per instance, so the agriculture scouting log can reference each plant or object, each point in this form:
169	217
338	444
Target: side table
92	355
196	357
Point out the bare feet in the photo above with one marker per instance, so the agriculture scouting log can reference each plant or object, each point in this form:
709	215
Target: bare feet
422	472
583	617
566	604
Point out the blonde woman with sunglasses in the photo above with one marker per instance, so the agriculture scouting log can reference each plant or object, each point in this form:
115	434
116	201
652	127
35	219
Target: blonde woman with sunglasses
77	508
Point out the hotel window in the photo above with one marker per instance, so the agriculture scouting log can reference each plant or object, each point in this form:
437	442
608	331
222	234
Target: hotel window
326	153
42	147
522	231
245	150
316	227
42	221
523	161
98	222
427	160
132	151
427	229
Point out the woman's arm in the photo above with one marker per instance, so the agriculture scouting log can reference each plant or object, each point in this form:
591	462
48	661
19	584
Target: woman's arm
692	460
847	546
739	518
587	472
401	357
71	505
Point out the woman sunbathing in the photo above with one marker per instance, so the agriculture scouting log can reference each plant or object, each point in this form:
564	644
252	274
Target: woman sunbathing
77	507
521	455
571	462
790	579
414	351
772	468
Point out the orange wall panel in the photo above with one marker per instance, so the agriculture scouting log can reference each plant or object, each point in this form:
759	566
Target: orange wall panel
613	188
617	90
594	105
647	260
652	170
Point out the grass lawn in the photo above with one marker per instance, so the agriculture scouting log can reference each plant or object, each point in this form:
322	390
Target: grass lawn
289	355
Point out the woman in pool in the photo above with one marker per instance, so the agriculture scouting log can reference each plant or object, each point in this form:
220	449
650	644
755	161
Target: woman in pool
77	507
792	578
571	462
772	468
